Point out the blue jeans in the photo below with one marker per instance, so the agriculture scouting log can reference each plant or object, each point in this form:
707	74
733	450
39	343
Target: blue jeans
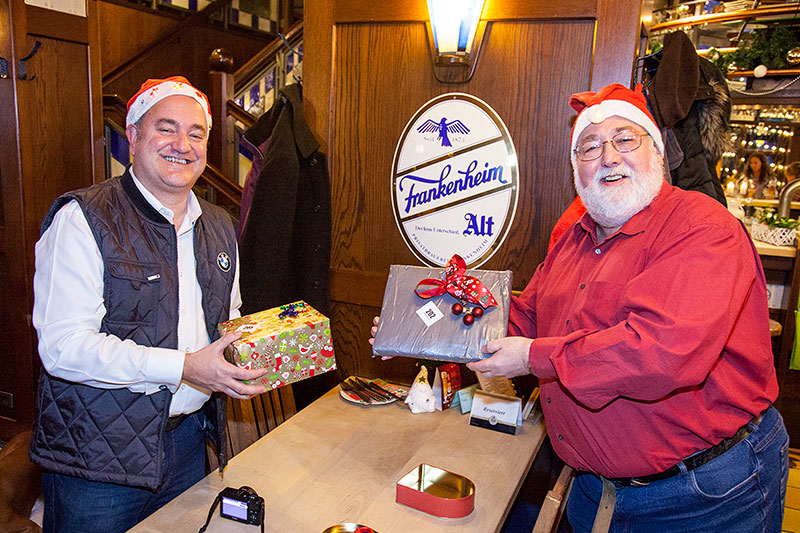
74	505
741	491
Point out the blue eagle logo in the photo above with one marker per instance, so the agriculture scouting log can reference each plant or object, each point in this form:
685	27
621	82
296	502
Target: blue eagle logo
443	128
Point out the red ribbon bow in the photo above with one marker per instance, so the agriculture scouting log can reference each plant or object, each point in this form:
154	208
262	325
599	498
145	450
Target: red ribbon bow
458	284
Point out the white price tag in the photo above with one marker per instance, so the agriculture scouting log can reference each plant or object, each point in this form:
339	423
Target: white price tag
430	314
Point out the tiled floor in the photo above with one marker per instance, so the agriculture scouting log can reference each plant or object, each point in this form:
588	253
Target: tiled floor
791	515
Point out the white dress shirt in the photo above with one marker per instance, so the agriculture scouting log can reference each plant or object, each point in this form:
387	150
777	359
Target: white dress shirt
68	310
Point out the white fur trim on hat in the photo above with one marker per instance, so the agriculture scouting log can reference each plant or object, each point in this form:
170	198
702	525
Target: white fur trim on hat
156	93
608	108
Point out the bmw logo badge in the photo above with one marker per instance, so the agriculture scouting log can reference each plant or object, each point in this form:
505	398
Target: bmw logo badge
224	261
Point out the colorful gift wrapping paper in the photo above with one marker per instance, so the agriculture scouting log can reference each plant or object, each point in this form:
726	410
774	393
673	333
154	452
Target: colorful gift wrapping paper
293	341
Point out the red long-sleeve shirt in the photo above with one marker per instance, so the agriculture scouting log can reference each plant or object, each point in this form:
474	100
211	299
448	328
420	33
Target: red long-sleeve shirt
654	344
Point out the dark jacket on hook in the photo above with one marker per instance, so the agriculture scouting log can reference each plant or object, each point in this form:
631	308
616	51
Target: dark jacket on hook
691	104
285	242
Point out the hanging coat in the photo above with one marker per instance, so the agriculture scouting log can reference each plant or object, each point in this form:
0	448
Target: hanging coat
285	241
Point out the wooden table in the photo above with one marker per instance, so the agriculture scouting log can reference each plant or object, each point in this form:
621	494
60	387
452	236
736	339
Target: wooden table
335	462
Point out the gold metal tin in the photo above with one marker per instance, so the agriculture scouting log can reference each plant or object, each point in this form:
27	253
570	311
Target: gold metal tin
436	491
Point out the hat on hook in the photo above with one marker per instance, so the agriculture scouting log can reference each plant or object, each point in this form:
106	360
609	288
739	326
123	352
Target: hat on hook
154	90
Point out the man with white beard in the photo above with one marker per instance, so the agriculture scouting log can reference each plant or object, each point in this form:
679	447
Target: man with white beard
648	329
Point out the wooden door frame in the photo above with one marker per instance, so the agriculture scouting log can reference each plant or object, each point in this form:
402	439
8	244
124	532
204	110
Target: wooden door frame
22	222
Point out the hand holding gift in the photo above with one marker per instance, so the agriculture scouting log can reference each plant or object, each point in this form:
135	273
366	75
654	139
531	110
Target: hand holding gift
208	368
509	358
292	342
421	313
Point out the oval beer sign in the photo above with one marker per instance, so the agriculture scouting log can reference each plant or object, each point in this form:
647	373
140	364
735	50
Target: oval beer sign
454	181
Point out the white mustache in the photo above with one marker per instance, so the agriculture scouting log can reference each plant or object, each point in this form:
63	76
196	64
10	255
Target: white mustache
620	170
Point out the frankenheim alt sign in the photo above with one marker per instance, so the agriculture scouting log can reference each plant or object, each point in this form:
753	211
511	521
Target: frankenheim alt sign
454	181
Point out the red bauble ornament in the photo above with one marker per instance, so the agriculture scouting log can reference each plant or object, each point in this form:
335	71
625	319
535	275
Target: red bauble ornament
468	319
477	312
457	309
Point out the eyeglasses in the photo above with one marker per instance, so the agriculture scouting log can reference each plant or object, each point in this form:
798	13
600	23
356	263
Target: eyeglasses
623	142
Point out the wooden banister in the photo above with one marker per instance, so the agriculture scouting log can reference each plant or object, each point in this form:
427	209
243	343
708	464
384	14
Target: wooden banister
253	68
159	46
114	104
225	187
236	111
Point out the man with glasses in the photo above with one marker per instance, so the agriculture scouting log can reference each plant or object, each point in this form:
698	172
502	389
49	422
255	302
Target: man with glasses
647	326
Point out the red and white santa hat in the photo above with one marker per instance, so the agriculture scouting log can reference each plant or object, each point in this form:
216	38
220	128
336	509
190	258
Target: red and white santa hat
154	90
613	100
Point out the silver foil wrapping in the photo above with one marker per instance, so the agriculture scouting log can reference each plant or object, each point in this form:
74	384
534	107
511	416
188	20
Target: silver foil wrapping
401	332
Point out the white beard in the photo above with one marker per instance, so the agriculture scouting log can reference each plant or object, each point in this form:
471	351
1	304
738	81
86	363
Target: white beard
611	207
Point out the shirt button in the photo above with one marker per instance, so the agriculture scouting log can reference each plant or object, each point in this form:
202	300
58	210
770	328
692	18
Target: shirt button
548	400
583	285
568	321
317	208
561	437
597	251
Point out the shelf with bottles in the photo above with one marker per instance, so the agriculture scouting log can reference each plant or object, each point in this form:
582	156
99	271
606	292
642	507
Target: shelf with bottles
746	43
772	114
706	13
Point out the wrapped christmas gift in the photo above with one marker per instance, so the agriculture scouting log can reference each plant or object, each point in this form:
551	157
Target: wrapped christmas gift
293	341
442	314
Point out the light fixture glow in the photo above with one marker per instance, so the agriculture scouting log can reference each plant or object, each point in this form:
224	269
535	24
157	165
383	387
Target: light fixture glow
456	32
454	23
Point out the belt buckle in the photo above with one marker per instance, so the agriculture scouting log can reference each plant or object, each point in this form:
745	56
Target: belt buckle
638	483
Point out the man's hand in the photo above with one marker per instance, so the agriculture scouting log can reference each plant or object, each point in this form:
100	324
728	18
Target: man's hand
208	368
373	331
510	358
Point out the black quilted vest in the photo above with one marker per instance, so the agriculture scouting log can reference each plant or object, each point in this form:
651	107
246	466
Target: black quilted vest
115	435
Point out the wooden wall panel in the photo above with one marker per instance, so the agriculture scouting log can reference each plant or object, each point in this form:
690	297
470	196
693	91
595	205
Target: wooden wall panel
367	69
64	112
370	119
521	75
118	43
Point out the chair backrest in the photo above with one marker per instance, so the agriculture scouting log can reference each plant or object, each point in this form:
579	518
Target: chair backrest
555	503
249	420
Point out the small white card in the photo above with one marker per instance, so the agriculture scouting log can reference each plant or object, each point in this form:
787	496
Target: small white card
430	314
496	412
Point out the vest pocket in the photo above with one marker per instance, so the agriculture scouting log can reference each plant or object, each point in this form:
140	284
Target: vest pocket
132	292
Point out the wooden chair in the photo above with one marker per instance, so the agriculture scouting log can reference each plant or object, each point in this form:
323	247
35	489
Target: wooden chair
249	420
20	486
555	503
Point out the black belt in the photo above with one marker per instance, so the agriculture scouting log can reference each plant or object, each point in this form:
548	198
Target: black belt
175	421
694	461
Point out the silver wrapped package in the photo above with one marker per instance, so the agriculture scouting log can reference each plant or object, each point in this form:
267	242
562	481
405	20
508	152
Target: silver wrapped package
402	331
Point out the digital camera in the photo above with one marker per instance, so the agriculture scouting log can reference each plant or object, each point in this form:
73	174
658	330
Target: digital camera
242	505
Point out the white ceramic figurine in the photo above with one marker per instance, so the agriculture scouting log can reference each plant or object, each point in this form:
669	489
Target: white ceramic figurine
420	397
